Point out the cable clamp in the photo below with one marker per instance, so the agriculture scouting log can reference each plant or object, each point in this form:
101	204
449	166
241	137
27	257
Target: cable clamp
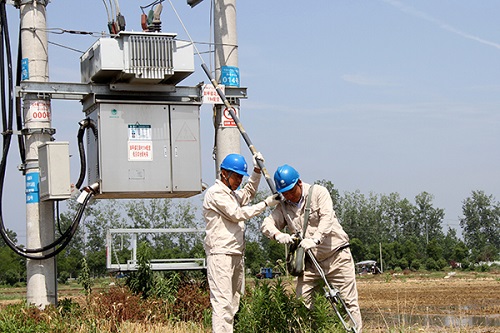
45	130
88	191
8	132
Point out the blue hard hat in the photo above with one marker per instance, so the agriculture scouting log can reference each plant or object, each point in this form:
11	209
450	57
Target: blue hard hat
285	178
235	163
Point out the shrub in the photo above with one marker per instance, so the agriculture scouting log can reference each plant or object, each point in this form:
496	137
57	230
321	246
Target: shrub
63	277
416	264
482	268
274	308
84	278
431	265
441	263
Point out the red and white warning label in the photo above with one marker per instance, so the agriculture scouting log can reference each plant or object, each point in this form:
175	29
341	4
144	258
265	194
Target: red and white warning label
140	150
39	111
227	119
210	95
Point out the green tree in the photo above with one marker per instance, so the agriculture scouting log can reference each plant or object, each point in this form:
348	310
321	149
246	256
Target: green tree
481	225
358	250
105	214
434	249
451	244
360	216
397	217
141	281
428	220
411	250
167	214
12	266
12	236
69	260
334	193
255	257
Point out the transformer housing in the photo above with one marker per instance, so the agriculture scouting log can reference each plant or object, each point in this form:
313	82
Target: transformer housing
138	58
145	149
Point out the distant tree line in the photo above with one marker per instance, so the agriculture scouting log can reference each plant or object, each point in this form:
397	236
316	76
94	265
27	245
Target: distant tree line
410	234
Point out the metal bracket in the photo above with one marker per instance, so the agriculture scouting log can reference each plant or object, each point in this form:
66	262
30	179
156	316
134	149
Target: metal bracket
30	131
19	3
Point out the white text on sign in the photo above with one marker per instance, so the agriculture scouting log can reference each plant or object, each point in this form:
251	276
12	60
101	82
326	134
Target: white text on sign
227	119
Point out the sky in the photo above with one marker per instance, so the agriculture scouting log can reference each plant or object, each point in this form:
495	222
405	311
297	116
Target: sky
376	96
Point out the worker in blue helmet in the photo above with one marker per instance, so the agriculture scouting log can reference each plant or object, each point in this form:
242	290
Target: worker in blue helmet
225	210
323	235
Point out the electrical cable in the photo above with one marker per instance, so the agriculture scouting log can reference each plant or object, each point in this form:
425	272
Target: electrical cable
66	47
151	4
117	5
112	12
107	10
19	120
84	124
7	133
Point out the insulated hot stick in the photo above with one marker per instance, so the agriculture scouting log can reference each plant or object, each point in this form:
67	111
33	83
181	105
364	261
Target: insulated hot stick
229	107
240	127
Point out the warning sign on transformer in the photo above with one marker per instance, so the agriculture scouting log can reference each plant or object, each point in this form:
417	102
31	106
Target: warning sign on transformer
140	143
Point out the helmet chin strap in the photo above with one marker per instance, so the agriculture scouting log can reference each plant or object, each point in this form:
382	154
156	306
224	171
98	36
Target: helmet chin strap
226	179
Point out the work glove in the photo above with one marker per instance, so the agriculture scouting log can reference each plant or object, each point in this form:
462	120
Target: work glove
309	243
272	200
283	238
257	156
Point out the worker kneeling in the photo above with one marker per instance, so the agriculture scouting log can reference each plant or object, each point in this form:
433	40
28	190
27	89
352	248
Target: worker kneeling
321	233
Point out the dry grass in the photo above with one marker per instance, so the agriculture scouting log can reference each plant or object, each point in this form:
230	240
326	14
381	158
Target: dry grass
179	327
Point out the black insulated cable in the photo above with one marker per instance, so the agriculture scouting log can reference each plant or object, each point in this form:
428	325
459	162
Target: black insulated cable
7	114
84	125
19	119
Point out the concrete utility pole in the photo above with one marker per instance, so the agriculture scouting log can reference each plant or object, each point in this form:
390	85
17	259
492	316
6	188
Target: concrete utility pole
41	274
226	54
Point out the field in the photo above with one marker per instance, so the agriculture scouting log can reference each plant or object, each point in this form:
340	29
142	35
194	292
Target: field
433	302
406	303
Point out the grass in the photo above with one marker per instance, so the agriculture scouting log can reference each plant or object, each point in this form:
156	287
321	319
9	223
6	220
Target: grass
268	306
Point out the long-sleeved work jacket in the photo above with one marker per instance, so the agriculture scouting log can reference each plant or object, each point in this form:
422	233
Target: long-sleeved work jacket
322	224
225	212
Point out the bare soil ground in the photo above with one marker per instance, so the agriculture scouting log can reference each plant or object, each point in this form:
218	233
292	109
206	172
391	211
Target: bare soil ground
463	302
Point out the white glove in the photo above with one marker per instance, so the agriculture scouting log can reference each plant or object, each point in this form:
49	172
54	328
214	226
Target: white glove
308	243
272	200
257	156
283	238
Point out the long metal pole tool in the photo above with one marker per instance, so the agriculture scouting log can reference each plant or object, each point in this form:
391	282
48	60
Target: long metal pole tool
229	107
332	294
238	123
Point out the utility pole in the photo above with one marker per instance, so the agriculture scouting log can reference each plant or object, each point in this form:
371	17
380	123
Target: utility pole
41	274
227	139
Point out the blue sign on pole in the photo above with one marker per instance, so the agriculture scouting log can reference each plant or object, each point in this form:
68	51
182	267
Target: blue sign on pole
32	187
230	76
25	71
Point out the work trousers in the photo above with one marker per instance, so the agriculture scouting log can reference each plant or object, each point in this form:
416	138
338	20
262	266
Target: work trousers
226	280
339	271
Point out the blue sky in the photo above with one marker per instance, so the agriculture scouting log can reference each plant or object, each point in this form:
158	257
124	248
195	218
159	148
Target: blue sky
378	96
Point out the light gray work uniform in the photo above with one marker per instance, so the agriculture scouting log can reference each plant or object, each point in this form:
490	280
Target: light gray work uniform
332	253
225	212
